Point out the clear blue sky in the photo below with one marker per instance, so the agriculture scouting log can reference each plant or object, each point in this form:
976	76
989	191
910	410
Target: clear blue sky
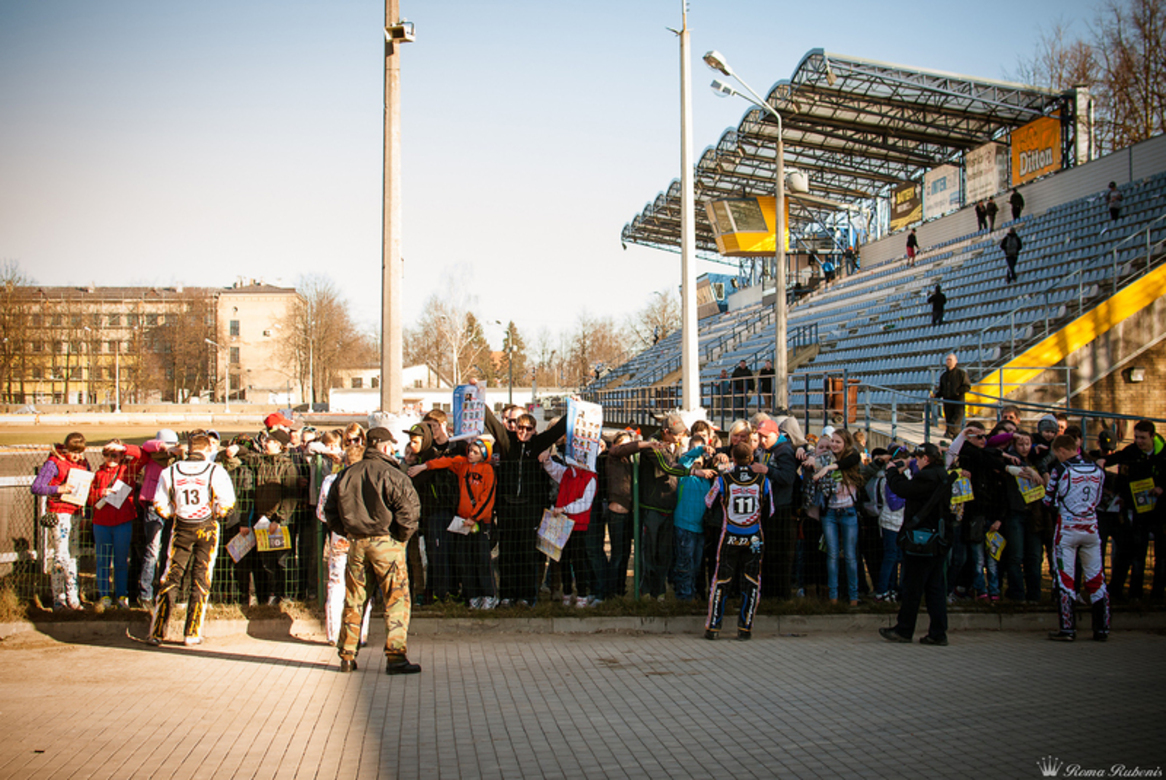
153	142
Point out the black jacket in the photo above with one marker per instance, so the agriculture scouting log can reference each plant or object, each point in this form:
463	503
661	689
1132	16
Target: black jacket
953	383
917	491
373	497
1011	245
782	463
521	478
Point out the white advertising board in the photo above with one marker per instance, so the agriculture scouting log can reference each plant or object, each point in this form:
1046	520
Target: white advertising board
941	191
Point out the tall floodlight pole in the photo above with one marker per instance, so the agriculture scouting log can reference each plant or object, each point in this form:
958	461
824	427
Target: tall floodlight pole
227	377
689	360
717	62
396	33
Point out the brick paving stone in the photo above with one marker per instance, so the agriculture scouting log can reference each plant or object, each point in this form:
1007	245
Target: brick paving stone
582	705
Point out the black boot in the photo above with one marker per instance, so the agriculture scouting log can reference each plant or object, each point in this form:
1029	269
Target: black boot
400	665
1101	619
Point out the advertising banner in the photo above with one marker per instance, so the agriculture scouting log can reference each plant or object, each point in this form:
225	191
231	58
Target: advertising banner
1036	149
941	191
906	205
584	428
986	172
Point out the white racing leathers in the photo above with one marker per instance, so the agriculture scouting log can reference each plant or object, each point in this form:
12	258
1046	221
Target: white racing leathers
1074	491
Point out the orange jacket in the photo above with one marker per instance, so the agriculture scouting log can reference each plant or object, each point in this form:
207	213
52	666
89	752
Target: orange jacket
475	487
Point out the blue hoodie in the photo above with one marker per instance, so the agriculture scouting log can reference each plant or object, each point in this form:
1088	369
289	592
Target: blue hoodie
689	512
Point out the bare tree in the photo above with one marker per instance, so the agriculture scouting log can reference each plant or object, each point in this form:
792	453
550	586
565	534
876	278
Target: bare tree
1131	47
1059	61
15	331
595	343
448	337
659	317
321	338
178	362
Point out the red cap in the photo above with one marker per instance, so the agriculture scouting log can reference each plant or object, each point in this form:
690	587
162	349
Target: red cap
768	426
275	420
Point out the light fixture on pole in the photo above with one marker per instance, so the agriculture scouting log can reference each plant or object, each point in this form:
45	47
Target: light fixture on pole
717	62
226	378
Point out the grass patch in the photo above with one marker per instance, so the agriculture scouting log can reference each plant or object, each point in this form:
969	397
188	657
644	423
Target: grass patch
12	609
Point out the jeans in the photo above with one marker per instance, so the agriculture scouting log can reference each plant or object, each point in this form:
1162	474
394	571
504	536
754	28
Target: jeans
151	552
604	570
113	552
437	553
689	552
841	524
891	554
656	557
1022	559
983	562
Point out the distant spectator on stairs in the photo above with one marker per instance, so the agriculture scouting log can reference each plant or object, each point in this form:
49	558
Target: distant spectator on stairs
1113	200
1017	203
1011	246
912	247
981	216
990	209
953	385
742	388
937	300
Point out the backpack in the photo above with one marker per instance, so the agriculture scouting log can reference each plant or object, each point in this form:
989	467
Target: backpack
873	494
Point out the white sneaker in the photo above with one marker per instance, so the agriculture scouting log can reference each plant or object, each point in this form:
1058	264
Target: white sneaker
489	602
191	641
594	601
566	601
123	602
476	603
581	603
506	603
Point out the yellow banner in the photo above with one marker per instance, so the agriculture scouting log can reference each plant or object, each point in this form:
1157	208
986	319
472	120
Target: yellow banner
1036	149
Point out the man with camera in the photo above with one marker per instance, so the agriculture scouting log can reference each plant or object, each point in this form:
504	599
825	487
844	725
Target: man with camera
924	538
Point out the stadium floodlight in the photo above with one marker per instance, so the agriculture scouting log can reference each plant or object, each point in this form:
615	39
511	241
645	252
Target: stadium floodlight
722	89
715	60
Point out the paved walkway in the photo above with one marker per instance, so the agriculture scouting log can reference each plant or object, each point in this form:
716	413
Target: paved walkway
583	706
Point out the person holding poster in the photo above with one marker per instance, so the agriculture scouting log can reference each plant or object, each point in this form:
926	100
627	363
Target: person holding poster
575	497
113	519
1145	462
54	483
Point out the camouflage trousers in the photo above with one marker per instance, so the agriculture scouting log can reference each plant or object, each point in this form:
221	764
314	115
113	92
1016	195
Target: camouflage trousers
386	557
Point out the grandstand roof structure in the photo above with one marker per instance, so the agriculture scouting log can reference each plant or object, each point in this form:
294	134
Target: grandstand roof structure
856	127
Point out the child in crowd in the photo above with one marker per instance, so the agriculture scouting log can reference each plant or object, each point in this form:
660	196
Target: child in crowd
471	548
52	483
113	525
575	497
688	519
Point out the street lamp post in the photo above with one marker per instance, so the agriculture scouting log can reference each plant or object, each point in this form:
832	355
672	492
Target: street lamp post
226	377
717	62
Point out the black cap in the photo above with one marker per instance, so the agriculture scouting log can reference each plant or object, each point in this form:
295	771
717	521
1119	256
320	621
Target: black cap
379	434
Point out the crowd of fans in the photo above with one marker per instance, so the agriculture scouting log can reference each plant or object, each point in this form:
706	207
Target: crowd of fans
830	513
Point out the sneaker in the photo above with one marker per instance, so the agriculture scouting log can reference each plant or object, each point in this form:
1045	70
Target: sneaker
660	598
191	641
154	640
105	603
927	639
982	597
594	601
566	601
476	602
891	635
253	601
401	666
994	599
743	635
801	593
75	606
1062	636
710	634
505	603
347	665
489	602
123	602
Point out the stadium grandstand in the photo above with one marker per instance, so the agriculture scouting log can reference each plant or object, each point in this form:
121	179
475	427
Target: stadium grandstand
885	148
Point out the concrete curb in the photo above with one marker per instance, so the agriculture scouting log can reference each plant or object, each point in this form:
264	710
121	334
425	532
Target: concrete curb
765	625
